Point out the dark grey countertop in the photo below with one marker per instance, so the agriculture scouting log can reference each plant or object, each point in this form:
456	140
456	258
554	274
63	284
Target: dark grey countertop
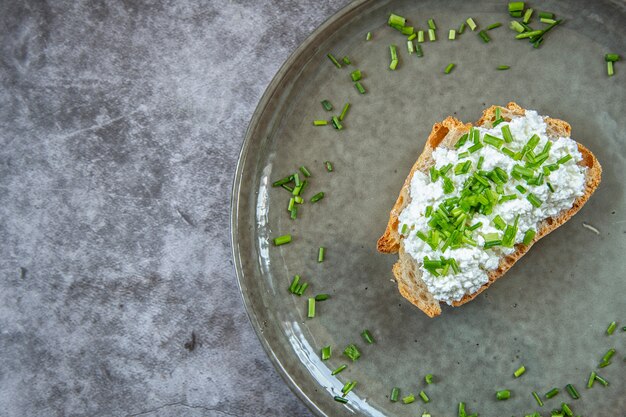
120	126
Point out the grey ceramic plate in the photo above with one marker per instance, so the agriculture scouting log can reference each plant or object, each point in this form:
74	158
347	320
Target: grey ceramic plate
551	310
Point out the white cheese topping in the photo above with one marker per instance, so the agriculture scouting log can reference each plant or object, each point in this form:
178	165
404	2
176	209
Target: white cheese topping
474	262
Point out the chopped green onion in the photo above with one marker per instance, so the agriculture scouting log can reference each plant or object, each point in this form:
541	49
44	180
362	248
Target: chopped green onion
346	60
412	36
566	409
494	25
471	23
367	336
448	185
348	386
418	51
546	15
344	111
296	179
479	164
536	396
564	159
499	222
410	47
322	297
283	181
592	378
407	30
281	240
339	369
298	199
462	412
475	147
368	36
508	152
301	288
431	35
396	20
527	35
516	6
461	28
516	26
294	284
503	395
405	227
493	141
329	166
449	68
601	380
420	36
336	123
609	69
483	35
320	254
506	133
491	243
503	67
424	397
451	34
534	200
305	171
527	15
529	236
395	393
611	328
428	379
572	391
552	392
359	87
611	57
326	353
356	75
608	355
428	211
317	197
327	106
352	352
320	122
408	399
311	312
506	198
333	60
340	399
431	24
519	372
461	141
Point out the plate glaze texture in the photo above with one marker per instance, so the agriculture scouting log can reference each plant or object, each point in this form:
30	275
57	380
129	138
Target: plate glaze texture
551	310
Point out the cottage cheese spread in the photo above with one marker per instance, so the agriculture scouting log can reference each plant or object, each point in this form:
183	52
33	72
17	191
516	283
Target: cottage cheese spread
474	261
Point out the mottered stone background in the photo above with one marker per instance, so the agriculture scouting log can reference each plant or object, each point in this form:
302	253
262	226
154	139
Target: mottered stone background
120	127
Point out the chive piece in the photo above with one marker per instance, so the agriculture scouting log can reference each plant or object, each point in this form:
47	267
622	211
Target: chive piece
352	352
327	106
506	133
281	240
356	75
431	24
568	411
407	30
461	28
368	36
521	189
503	67
348	386
534	200
359	87
528	237
516	6
301	288
292	202
322	297
520	371
475	147
552	392
333	60
611	57
340	399
564	159
493	141
326	353
405	227
503	395
320	122
410	47
536	396
506	198
431	35
546	15
572	391
461	141
547	21
428	211
494	25
462	412
592	378
317	197
500	225
294	284
479	164
305	171
418	51
344	111
393	49
609	69
408	399
471	23
516	26
491	243
346	60
311	312
320	254
483	35
424	397
527	35
282	181
336	123
420	36
367	336
396	20
527	15
601	380
395	393
449	68
451	34
329	166
413	36
339	369
611	328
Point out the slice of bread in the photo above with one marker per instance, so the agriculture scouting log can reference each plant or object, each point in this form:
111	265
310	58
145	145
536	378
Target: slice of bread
446	134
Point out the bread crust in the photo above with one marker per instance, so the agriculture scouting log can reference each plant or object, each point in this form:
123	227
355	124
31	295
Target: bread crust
446	133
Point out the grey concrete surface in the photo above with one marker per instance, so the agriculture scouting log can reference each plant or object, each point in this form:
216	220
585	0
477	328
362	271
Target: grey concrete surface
120	127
